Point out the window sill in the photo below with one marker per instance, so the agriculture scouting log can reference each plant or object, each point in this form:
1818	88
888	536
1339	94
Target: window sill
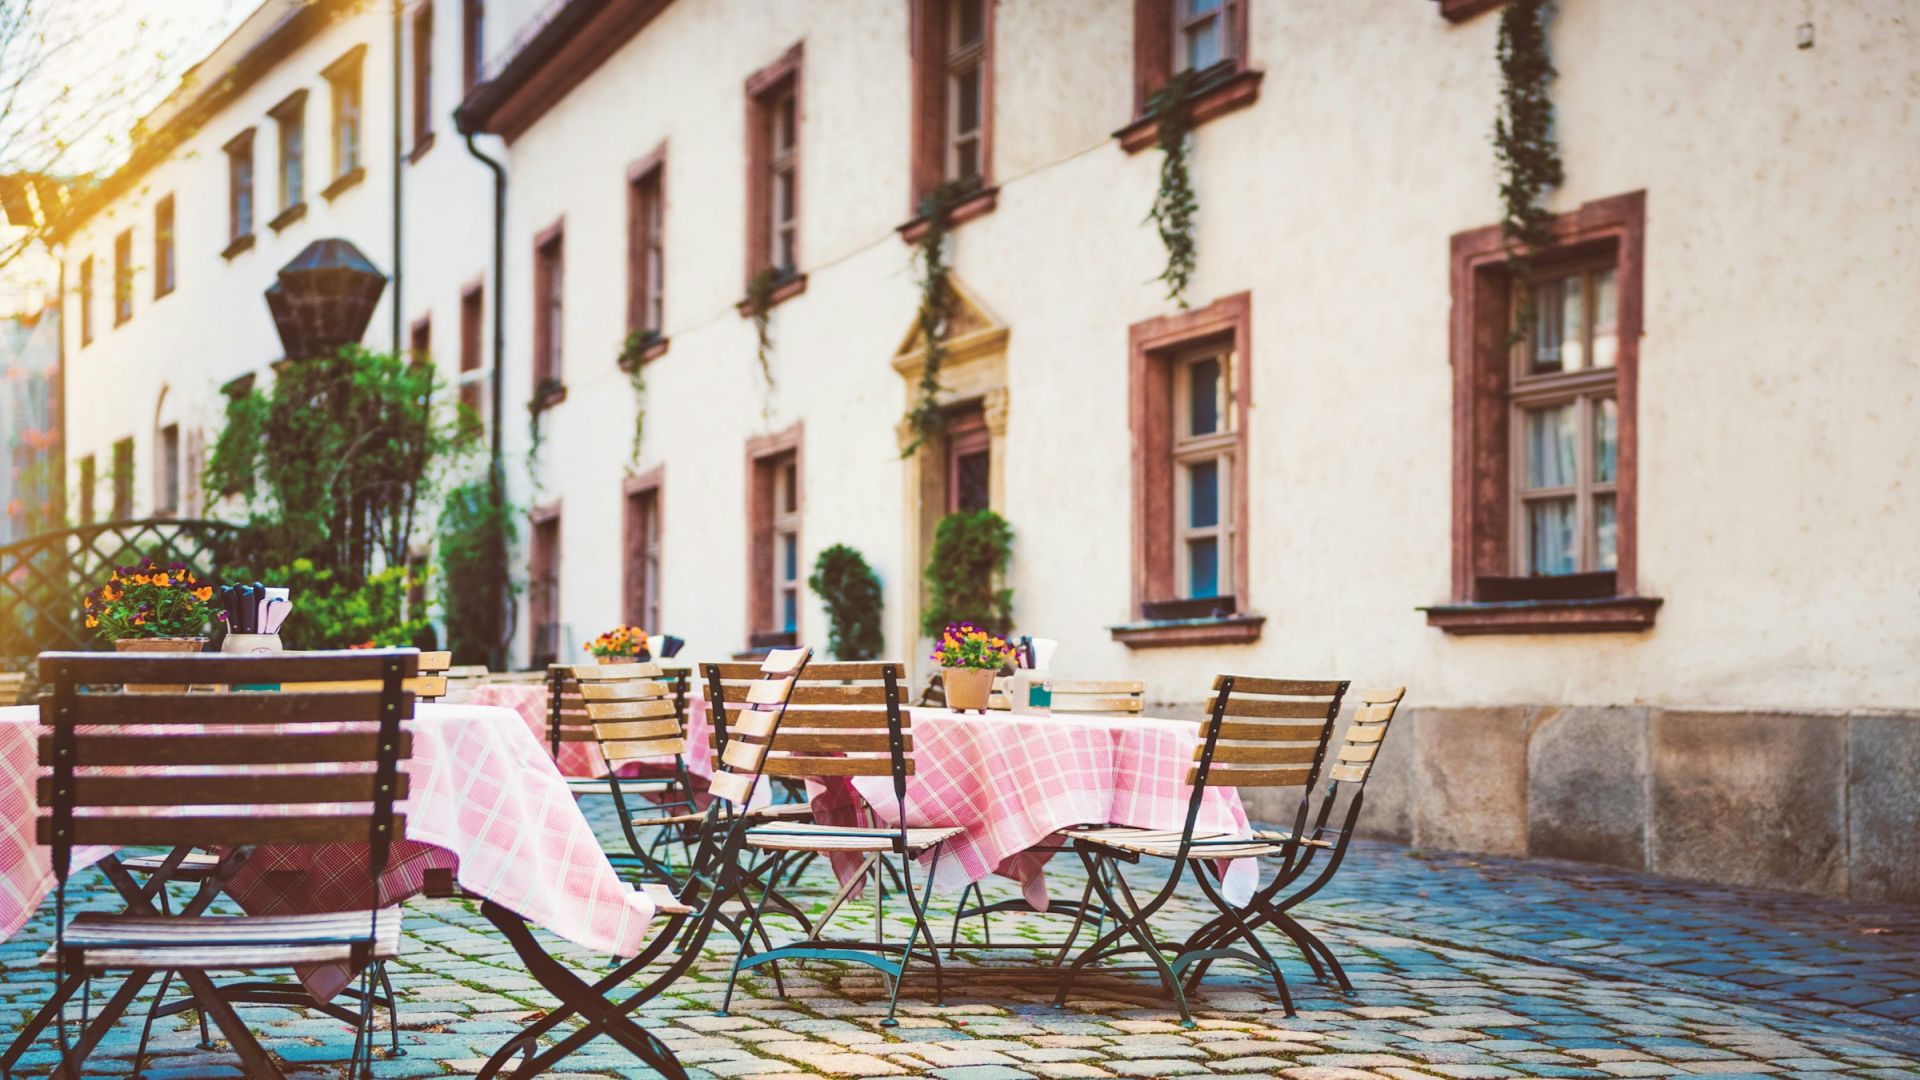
979	204
1614	614
788	288
1462	10
762	642
547	398
344	181
1235	92
239	244
652	351
420	147
1224	630
288	216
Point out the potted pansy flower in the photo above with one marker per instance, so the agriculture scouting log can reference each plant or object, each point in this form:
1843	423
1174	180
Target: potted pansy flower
969	658
621	645
151	608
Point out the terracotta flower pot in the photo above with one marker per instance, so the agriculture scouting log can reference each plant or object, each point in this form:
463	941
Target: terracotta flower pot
637	658
159	645
968	688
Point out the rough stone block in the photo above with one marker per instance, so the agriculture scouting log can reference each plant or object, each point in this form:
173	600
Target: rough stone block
1750	798
1883	806
1470	778
1587	779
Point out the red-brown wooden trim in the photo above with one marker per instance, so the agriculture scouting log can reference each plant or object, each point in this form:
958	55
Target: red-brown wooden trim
928	47
758	86
1230	630
1478	349
761	492
651	168
1151	345
1231	95
783	292
1619	614
543	367
631	606
1462	10
979	204
581	37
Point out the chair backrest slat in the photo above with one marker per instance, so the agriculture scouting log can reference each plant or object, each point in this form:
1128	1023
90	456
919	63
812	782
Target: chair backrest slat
1267	743
741	755
291	748
1365	735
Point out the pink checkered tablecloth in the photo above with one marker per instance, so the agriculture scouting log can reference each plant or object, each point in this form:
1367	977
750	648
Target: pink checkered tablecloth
1013	781
583	758
486	802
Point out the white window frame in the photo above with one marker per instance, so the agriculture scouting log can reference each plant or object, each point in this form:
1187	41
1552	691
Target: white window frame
1190	449
964	57
783	239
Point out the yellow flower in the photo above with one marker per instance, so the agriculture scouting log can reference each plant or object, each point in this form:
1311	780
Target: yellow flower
92	622
203	594
161	580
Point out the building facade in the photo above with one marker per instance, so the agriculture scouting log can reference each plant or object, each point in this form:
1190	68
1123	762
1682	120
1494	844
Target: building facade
1622	562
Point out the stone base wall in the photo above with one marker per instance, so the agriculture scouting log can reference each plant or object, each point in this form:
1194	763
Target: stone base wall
1816	802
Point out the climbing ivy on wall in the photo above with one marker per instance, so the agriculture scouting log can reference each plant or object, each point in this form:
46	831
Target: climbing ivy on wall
760	309
1523	139
631	352
936	303
1174	202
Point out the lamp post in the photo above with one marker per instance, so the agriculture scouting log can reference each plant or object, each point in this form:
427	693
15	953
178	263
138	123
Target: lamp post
324	299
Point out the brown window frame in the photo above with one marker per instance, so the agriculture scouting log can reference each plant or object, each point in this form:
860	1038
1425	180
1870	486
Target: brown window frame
549	315
936	62
420	339
123	277
290	172
765	90
346	84
642	531
646	249
543	581
165	265
88	483
122	477
167	482
767	458
422	79
473	327
1489	596
240	193
1159	349
473	37
84	296
1228	86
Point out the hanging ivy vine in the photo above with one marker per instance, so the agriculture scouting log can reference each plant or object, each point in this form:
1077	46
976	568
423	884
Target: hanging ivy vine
936	304
1523	140
632	351
760	309
1174	203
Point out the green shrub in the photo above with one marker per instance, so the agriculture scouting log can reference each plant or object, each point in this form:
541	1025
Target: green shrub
850	591
476	538
965	572
330	611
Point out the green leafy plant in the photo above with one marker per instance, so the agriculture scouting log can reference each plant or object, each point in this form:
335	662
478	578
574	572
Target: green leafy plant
631	361
936	305
475	540
964	573
1523	140
849	590
1174	201
149	601
333	611
760	289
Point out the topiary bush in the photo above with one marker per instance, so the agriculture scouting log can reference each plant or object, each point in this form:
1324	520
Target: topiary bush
850	591
966	571
476	538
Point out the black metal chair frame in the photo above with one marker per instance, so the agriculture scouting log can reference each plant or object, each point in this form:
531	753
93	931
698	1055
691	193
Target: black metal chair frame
64	674
1134	918
719	874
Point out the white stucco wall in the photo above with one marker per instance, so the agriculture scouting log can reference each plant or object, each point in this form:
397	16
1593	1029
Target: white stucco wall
1778	422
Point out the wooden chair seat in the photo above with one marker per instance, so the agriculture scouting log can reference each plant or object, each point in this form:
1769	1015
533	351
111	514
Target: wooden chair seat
584	785
811	836
1165	843
775	812
101	941
195	867
664	902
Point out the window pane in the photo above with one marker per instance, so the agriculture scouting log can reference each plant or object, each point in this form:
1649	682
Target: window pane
789	488
1573	322
790	611
966	90
972	474
1606	440
1606	552
1203	568
784	136
966	155
1550	434
1203	494
1203	44
789	557
1201	7
783	195
1550	537
1203	396
1605	315
971	17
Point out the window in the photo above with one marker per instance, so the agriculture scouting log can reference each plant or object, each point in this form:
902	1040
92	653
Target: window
1206	37
163	263
549	286
86	301
166	472
123	277
343	76
543	587
1546	370
290	117
775	567
969	447
642	577
953	98
240	193
87	485
473	27
646	248
122	480
422	77
420	339
1189	377
472	326
773	169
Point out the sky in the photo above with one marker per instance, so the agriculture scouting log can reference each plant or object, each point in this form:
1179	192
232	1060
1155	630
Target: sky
128	54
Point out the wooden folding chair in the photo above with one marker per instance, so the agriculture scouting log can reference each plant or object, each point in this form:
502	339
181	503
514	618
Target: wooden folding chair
253	772
1346	782
631	714
718	877
1258	733
848	724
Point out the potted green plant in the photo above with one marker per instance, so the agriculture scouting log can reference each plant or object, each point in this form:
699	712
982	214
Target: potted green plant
969	658
151	608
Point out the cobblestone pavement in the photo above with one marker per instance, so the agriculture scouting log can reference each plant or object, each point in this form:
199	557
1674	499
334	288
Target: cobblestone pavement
1465	968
